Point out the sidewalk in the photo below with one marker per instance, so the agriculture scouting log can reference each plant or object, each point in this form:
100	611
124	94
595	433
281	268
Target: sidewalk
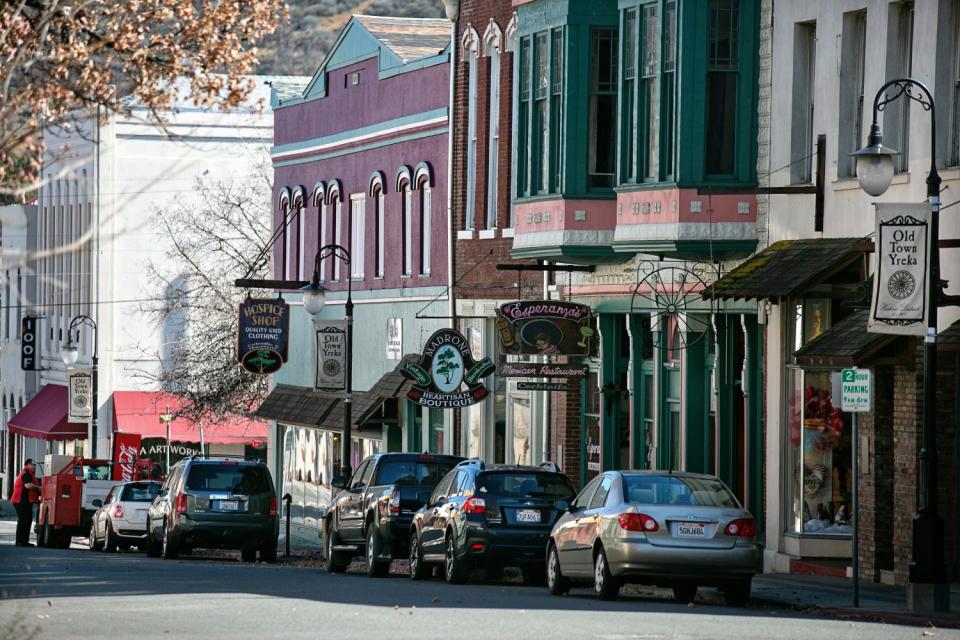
834	596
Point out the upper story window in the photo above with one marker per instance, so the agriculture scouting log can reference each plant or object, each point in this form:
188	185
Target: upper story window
357	239
896	115
492	44
426	231
647	100
407	233
601	140
850	121
948	82
804	80
539	118
722	81
470	44
378	244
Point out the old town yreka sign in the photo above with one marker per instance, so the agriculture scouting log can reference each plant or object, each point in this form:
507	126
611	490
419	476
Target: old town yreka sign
444	368
262	338
900	286
545	327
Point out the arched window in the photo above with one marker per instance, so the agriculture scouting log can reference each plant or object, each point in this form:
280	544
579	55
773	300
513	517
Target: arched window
299	244
376	202
470	43
335	200
320	202
283	204
426	213
492	45
406	216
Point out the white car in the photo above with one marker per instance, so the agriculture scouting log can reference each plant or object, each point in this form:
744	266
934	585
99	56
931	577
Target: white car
121	521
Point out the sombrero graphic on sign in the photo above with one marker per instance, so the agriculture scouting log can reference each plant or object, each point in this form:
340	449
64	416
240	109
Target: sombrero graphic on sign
545	327
446	366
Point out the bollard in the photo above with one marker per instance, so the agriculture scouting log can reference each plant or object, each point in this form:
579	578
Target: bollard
288	499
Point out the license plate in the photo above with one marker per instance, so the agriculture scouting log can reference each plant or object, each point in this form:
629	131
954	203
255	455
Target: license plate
691	530
528	515
228	505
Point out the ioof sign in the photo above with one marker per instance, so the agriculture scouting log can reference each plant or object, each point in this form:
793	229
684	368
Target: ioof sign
331	355
856	390
28	343
80	397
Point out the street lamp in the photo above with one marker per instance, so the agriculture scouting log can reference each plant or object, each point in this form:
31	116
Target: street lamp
314	298
70	353
875	171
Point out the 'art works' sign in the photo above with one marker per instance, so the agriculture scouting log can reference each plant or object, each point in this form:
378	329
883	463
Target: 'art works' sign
444	368
900	285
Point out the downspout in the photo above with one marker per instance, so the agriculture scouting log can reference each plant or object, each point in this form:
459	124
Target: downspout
451	234
546	394
94	306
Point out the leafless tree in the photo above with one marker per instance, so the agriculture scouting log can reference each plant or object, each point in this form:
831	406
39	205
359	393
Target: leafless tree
220	233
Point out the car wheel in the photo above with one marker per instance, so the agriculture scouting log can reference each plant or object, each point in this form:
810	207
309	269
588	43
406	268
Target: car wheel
418	568
168	549
335	560
455	570
248	554
109	539
556	582
605	585
738	593
152	546
92	541
268	553
685	592
375	567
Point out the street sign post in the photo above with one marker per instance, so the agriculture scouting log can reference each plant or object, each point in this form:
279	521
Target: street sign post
856	397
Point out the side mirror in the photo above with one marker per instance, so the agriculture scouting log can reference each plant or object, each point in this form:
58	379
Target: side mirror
338	482
98	503
441	500
562	505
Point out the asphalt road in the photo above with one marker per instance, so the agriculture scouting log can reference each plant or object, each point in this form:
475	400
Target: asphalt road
76	593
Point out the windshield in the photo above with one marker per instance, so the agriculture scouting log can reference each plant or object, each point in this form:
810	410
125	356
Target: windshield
231	478
140	492
524	485
96	472
412	472
703	492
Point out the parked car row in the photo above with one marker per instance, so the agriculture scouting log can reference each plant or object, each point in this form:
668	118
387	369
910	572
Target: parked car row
208	503
669	529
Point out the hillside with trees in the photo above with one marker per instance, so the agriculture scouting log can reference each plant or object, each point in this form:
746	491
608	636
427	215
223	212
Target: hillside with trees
298	47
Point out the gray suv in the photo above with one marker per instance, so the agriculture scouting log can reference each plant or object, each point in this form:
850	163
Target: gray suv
215	504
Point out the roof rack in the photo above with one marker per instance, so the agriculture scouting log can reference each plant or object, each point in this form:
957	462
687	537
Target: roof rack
473	462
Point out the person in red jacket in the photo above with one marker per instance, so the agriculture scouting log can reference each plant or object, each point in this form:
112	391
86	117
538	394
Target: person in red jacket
26	492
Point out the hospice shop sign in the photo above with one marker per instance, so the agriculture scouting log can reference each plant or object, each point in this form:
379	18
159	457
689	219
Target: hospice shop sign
264	331
900	285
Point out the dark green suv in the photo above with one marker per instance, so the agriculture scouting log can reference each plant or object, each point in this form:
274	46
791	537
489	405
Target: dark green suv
215	504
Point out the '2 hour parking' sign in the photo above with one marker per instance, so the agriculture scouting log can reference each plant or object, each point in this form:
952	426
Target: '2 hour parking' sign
856	390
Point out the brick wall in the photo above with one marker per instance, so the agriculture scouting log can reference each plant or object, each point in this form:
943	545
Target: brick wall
565	431
907	389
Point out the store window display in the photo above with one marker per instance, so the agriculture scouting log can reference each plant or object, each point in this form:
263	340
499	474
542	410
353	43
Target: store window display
820	470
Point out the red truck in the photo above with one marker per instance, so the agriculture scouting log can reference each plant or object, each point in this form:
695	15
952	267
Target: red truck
70	493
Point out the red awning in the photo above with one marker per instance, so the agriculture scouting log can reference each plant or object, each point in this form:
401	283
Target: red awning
139	412
45	417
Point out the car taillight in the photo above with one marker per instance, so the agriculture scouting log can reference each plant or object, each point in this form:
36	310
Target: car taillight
118	510
181	504
638	522
743	527
273	506
393	504
475	505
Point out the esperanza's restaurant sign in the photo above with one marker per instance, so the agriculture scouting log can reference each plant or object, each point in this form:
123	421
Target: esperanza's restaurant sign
545	327
264	331
900	285
444	368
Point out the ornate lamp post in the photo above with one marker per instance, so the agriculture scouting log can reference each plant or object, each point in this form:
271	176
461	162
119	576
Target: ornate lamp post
875	172
70	354
314	297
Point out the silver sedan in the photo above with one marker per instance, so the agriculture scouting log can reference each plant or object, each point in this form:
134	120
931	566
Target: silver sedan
669	529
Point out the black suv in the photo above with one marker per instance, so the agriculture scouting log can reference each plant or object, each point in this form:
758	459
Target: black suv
215	504
372	513
489	515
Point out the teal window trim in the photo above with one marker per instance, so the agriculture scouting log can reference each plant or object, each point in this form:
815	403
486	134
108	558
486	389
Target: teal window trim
414	422
668	91
723	69
540	88
540	165
522	146
602	94
628	101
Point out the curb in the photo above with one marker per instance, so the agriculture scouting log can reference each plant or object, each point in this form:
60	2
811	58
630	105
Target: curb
950	621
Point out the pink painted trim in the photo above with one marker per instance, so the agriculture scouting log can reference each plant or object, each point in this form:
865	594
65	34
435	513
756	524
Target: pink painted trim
601	215
674	206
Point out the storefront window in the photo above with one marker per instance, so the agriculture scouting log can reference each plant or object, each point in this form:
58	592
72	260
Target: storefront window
592	420
820	473
436	430
520	427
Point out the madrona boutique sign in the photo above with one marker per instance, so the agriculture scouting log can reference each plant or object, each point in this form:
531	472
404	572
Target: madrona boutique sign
444	369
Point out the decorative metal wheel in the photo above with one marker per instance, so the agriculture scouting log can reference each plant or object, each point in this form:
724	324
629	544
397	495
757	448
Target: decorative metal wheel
668	292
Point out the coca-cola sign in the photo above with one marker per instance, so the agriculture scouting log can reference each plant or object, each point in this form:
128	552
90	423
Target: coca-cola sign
126	450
